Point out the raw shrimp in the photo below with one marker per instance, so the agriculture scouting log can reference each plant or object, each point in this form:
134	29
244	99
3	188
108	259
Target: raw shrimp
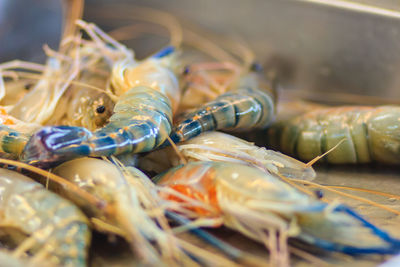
14	134
107	182
371	134
141	122
203	82
265	208
7	259
138	213
70	76
84	108
88	101
156	72
14	90
39	103
217	146
56	230
250	105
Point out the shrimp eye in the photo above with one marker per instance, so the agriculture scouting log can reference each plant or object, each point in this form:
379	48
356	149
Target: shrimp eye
256	66
100	109
319	194
28	86
186	70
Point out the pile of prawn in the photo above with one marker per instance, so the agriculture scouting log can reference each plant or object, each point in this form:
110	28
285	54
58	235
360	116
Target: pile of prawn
133	148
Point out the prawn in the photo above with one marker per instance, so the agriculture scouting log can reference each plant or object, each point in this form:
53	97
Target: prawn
79	63
39	103
138	213
157	71
250	104
371	133
14	134
92	106
105	181
88	107
9	260
217	146
141	121
56	230
266	209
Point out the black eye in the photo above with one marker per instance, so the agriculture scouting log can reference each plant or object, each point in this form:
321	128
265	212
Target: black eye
28	86
100	109
186	70
257	67
319	194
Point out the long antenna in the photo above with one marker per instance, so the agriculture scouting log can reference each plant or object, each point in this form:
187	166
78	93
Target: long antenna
72	11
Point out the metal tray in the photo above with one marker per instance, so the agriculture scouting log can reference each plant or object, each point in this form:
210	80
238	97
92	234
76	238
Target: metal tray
312	47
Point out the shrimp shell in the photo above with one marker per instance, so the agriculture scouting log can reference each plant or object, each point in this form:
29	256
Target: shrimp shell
249	106
266	209
371	134
138	212
14	134
217	146
151	72
141	122
58	229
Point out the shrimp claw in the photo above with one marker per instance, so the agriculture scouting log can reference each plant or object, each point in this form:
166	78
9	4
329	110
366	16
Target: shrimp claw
55	144
243	108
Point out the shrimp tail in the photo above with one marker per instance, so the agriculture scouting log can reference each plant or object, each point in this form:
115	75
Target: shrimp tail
341	229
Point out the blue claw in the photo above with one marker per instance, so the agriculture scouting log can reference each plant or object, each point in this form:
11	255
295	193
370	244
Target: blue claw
45	148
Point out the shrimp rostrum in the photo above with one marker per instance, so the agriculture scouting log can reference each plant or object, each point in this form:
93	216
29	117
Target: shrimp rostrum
39	222
370	134
267	209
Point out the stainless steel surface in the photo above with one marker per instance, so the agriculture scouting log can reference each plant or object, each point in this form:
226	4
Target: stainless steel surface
25	26
314	47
